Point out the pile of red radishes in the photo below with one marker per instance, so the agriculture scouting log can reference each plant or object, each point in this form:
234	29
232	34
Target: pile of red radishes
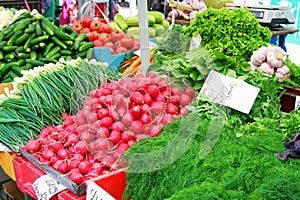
113	117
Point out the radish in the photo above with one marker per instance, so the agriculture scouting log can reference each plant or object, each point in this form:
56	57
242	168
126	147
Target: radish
127	119
153	91
81	147
122	146
185	99
73	164
104	112
53	159
84	167
155	130
76	177
92	117
62	154
118	126
33	146
145	108
47	154
63	167
127	136
183	111
166	119
87	137
108	100
171	109
130	143
147	99
97	106
115	136
176	91
137	127
136	111
106	122
97	167
72	139
114	115
174	99
63	136
146	119
150	75
71	150
140	136
45	132
158	107
102	133
108	160
78	157
99	155
92	93
103	144
72	128
190	92
137	98
106	92
161	98
82	128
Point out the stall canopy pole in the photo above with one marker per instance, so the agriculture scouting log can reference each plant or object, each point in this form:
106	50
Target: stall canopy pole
132	7
144	35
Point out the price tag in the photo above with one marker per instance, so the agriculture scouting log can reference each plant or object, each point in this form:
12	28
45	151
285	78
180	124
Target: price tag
95	192
297	103
195	42
228	91
45	187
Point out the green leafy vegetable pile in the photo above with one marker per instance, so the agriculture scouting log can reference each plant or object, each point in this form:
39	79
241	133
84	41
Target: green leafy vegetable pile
236	33
242	164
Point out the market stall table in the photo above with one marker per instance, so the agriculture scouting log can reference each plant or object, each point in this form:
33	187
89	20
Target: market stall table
278	37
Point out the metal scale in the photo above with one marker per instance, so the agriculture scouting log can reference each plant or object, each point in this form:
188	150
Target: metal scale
270	16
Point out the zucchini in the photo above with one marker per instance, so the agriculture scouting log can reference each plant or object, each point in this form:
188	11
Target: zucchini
23	15
58	42
90	53
48	60
115	27
120	20
38	29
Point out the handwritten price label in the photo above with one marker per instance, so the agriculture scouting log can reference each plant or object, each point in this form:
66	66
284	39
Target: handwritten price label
45	187
95	192
228	91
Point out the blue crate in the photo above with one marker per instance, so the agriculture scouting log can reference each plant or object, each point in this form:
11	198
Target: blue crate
102	54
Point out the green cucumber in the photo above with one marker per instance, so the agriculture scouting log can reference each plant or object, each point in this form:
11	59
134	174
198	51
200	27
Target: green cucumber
58	42
23	55
1	55
62	35
10	48
48	48
47	29
38	29
20	49
85	45
17	70
22	39
39	39
22	24
27	43
66	52
35	62
54	51
15	36
33	55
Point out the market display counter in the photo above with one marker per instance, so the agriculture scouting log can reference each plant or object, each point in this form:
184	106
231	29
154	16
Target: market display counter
278	37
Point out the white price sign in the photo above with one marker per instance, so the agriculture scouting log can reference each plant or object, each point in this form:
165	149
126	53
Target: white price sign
95	192
228	91
45	187
297	103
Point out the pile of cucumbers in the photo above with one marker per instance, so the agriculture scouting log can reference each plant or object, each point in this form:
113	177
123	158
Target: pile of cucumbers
33	40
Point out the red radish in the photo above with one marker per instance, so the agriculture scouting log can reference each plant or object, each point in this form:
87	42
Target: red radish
137	127
117	154
108	100
112	86
147	99
161	98
53	159
130	143
92	93
122	146
84	167
60	128
87	137
79	120
62	154
71	150
114	114
176	91
137	98
183	111
92	117
158	107
106	122
145	119
71	128
63	136
44	133
107	160
174	116
121	111
63	167
136	111
119	100
48	153
103	144
102	133
155	130
127	119
97	167
97	106
145	108
72	139
81	147
73	164
78	157
153	91
99	155
127	136
174	99
150	75
106	91
104	112
33	146
118	126
115	136
76	177
140	136
83	128
57	163
184	99
167	119
90	158
190	92
171	109
91	174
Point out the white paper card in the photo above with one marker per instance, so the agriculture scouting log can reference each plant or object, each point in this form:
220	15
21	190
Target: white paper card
228	91
95	192
195	42
45	187
3	147
297	103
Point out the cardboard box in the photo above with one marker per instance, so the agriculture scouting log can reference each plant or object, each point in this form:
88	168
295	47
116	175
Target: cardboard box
12	192
4	85
288	99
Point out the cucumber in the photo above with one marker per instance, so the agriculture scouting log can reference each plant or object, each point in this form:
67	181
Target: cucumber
10	48
23	55
27	43
15	69
90	53
3	44
22	24
48	48
48	60
21	62
120	20
42	45
33	55
20	49
66	52
30	29
1	55
39	39
62	35
54	51
46	28
85	45
15	36
22	39
35	62
58	42
38	29
7	68
9	35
